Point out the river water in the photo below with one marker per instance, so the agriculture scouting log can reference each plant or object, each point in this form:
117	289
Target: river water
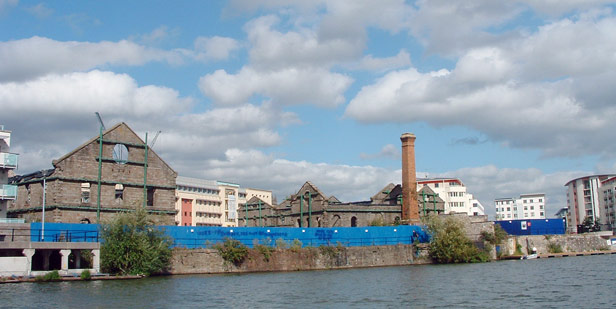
573	282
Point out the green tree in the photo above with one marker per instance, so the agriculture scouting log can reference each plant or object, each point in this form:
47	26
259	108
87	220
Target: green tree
131	245
449	244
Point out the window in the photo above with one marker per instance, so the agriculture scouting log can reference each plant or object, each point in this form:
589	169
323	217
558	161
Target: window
525	201
508	208
525	207
532	207
150	197
540	206
508	215
120	154
540	200
541	213
119	192
85	192
530	201
436	185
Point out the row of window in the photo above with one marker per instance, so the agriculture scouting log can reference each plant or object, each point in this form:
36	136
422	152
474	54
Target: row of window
207	203
515	216
119	193
456	204
532	207
198	190
202	214
453	194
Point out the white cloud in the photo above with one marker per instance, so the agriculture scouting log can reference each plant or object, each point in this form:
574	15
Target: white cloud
370	63
252	168
547	83
290	86
37	56
487	183
214	48
56	113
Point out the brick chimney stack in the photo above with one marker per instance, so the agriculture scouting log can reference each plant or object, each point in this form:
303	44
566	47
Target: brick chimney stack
410	208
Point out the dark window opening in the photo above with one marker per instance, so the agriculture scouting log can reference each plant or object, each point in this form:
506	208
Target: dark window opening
150	200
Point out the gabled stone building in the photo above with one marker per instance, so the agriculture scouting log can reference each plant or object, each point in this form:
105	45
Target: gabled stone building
129	173
310	207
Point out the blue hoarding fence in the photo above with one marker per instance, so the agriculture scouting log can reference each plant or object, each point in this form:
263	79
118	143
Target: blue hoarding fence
533	226
202	236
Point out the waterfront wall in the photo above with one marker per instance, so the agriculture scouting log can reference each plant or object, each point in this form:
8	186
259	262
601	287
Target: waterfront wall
568	243
206	261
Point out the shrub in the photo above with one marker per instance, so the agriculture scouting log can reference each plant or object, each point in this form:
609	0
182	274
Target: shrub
518	249
331	251
50	276
281	244
266	251
85	275
131	246
296	245
496	238
232	251
377	222
449	244
554	248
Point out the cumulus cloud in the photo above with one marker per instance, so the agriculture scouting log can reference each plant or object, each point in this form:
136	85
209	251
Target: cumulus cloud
55	113
287	86
507	90
489	182
256	169
214	48
370	63
37	56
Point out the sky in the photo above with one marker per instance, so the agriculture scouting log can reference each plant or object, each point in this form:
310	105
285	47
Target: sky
511	97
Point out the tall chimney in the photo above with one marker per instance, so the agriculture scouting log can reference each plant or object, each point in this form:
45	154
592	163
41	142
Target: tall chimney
410	209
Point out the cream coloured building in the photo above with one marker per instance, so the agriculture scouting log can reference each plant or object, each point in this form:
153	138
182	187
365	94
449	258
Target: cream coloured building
527	206
453	192
202	202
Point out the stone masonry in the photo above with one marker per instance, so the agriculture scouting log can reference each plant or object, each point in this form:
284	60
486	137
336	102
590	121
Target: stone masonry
72	186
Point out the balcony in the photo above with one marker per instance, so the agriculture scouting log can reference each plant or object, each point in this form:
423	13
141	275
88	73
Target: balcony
8	160
8	192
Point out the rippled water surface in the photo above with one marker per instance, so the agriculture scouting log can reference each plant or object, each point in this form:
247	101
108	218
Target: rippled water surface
575	282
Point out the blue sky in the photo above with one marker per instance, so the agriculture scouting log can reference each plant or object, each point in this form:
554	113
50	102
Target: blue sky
511	97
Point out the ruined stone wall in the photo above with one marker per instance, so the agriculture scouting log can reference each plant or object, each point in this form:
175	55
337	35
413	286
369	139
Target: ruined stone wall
195	261
473	225
568	243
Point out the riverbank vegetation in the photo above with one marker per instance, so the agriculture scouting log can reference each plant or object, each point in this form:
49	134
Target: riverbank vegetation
132	246
449	243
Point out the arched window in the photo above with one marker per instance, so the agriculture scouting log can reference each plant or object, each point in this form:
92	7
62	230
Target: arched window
353	221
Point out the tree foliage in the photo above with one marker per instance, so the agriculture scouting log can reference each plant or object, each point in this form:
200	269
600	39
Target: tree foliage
449	244
132	246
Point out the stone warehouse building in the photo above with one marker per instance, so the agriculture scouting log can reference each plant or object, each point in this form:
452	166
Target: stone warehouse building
128	174
310	207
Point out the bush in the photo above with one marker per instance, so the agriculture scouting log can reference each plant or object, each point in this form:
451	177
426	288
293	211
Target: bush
50	276
554	248
281	244
85	275
377	222
449	244
232	251
518	249
296	245
265	251
131	246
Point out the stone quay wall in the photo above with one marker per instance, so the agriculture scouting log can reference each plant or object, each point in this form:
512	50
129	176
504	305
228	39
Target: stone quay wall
568	243
208	261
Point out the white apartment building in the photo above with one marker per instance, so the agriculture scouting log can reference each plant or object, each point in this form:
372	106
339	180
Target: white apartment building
527	206
202	202
607	200
583	199
453	192
8	163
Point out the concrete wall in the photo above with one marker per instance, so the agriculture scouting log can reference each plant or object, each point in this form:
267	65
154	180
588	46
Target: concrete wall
14	266
195	261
